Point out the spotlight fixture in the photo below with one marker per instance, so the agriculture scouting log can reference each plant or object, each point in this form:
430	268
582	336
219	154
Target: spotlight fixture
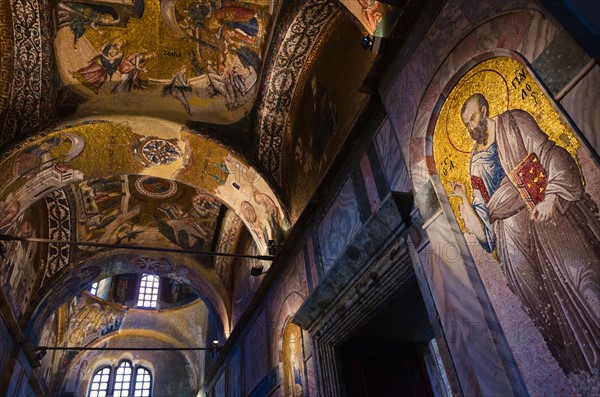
256	271
41	354
374	44
215	348
273	247
367	42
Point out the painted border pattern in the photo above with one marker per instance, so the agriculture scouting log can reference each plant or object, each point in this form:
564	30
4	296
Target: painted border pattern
6	59
282	79
59	228
30	100
228	240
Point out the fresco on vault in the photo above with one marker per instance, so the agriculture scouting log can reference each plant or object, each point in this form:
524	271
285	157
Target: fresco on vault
376	17
91	319
511	167
144	163
37	169
20	265
202	59
145	209
331	100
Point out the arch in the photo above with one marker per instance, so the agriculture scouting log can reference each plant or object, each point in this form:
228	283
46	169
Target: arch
293	361
468	51
77	276
281	79
425	168
289	307
198	162
69	378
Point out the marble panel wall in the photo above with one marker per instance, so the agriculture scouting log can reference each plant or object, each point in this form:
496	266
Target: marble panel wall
234	373
340	224
582	102
256	353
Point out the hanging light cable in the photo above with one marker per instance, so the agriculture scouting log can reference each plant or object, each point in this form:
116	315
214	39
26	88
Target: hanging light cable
6	237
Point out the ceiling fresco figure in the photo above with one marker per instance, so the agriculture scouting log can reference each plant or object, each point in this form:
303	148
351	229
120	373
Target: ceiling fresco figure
178	86
293	360
207	55
39	168
81	16
228	40
527	196
376	17
18	272
131	69
102	66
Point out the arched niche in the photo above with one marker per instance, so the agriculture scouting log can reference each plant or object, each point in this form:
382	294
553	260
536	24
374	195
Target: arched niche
289	306
170	369
454	266
294	380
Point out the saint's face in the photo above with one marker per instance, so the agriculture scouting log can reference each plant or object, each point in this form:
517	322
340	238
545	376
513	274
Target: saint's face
475	121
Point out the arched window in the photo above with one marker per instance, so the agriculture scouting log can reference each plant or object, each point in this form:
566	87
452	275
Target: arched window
99	384
94	288
143	383
122	381
148	295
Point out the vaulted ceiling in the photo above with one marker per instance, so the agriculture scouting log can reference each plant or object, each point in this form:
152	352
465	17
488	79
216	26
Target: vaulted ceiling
176	124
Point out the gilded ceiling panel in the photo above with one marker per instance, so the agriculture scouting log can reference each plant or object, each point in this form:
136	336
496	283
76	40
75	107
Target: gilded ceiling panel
198	60
156	162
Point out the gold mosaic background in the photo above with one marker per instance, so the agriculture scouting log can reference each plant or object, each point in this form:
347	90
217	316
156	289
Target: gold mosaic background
506	84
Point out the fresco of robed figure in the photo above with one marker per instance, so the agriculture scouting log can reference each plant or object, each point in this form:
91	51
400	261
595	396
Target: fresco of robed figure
529	207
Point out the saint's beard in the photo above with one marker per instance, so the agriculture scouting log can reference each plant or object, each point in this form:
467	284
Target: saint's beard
479	133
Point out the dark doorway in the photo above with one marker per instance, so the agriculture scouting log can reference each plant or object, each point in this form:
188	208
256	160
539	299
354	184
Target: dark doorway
384	358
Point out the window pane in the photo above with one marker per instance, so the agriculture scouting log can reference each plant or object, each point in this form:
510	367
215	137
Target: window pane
99	384
142	382
148	293
121	386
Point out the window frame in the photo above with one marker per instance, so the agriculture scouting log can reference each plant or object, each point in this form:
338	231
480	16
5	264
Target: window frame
149	373
108	382
153	295
112	376
94	289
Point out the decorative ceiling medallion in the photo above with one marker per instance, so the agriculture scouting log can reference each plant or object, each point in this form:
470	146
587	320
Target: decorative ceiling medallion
150	265
248	212
159	151
155	151
156	187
